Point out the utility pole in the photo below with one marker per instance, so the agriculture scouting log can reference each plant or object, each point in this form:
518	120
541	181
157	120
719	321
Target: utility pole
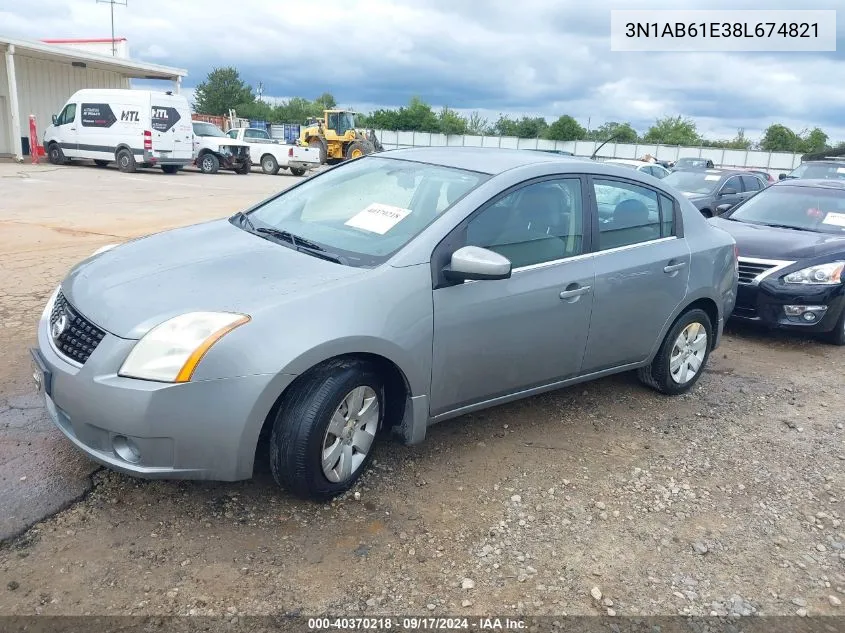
122	3
260	90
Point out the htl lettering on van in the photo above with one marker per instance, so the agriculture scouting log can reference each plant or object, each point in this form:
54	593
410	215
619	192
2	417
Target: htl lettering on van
132	128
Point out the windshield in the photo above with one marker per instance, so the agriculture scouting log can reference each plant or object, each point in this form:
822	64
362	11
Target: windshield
819	170
367	209
809	208
207	129
691	162
693	181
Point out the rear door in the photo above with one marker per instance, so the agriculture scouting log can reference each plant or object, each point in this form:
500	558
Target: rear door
170	122
642	268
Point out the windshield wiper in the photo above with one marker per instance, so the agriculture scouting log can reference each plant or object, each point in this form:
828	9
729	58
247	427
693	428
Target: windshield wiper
787	226
244	218
301	244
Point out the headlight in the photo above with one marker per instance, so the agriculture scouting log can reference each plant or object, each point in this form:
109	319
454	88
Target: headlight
823	274
171	351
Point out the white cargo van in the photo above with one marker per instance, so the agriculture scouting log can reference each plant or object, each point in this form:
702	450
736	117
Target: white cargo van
134	128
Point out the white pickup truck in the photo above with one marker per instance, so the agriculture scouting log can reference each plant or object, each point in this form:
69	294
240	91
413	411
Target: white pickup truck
274	155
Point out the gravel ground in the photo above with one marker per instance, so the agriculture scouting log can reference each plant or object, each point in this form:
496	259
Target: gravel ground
605	498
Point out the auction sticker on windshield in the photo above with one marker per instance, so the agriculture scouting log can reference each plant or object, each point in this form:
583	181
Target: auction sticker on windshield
712	177
837	219
378	218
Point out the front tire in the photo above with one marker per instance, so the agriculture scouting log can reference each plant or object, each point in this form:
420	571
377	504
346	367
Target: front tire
325	429
682	356
356	149
837	335
297	171
269	165
125	161
209	163
55	154
170	169
319	144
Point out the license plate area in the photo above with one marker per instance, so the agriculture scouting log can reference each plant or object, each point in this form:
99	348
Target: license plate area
41	375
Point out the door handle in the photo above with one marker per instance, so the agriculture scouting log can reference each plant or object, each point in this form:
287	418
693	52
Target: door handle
671	268
575	292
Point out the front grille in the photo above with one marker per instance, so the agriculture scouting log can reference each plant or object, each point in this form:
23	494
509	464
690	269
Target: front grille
748	271
73	335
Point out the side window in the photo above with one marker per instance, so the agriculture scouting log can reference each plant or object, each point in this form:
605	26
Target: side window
732	183
752	183
232	134
628	214
541	222
68	115
667	216
255	134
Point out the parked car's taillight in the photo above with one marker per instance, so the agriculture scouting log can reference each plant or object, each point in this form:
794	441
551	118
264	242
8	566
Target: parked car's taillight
148	139
290	153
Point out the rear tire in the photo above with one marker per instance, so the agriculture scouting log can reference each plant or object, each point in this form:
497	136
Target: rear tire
209	163
125	161
170	169
320	429
269	165
55	154
682	349
321	145
244	169
297	171
101	163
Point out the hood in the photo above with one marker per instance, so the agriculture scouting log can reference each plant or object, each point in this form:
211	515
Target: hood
213	266
767	242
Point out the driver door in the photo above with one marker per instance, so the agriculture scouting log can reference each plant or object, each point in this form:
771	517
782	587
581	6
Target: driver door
495	338
66	130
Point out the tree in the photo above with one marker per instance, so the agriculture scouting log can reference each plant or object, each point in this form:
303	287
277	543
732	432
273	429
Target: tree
222	89
505	126
623	132
566	129
814	141
476	124
673	131
779	138
450	122
325	101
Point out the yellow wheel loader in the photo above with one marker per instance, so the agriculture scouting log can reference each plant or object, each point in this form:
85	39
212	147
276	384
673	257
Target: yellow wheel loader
337	138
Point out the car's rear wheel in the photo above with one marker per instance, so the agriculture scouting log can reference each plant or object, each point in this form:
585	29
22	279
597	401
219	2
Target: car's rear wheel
325	429
297	171
170	169
682	356
269	165
125	161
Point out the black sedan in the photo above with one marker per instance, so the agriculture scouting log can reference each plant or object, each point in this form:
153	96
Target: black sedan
791	241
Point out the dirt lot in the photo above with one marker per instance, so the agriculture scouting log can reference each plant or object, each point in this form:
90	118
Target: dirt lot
604	498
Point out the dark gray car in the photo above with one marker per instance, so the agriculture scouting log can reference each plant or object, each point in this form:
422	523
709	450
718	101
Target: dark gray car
714	191
381	296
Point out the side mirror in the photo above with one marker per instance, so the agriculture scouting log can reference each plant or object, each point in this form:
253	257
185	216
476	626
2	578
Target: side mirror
55	118
723	207
473	262
781	176
728	192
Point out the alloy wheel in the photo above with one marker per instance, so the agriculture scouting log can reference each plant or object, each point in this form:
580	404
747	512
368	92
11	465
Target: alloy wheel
688	353
350	434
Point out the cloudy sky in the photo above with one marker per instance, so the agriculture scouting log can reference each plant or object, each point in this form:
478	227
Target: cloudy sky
530	57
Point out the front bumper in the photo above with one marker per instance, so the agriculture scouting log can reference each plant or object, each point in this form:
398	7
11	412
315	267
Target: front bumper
764	303
196	430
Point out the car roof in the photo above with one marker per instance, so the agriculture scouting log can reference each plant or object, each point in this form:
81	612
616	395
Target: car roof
489	160
716	170
812	183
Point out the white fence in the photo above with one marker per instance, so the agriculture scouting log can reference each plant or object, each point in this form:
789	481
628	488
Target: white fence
774	162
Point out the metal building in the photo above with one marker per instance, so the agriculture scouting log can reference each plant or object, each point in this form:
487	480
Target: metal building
38	78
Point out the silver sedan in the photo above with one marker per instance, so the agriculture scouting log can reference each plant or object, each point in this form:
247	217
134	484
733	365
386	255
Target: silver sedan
379	297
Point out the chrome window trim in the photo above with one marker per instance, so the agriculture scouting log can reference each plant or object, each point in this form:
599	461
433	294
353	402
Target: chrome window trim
617	249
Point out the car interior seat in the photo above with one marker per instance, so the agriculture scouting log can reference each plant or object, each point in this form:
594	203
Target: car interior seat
630	224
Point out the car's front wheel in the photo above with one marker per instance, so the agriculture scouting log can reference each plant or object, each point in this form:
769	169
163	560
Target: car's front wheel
325	428
682	356
837	335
